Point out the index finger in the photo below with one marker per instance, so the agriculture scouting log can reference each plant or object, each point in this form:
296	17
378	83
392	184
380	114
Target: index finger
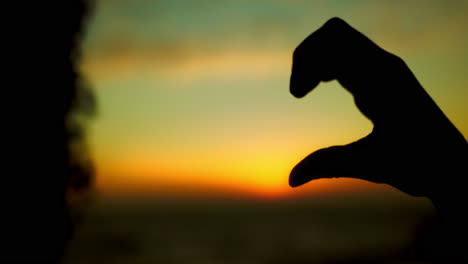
334	51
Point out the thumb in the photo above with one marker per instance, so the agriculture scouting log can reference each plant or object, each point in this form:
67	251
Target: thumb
338	161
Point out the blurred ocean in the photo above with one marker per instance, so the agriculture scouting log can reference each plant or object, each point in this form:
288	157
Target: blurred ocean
353	228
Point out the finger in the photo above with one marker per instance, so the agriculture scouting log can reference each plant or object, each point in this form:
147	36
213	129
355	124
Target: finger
335	51
351	160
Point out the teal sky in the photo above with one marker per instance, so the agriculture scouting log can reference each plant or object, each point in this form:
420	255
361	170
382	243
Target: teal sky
192	88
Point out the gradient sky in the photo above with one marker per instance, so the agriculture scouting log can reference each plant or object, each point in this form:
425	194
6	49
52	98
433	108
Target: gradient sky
193	96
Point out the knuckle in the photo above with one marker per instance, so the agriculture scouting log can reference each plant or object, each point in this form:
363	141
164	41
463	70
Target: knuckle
394	61
335	21
335	24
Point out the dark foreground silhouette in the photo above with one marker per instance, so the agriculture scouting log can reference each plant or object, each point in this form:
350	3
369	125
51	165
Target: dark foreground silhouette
44	157
413	145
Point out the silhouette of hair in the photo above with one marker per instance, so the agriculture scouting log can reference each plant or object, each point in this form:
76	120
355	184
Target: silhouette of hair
47	108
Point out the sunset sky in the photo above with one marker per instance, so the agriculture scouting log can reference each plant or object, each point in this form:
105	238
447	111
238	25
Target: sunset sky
193	96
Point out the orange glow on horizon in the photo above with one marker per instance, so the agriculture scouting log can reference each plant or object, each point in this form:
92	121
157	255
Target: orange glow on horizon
229	173
184	186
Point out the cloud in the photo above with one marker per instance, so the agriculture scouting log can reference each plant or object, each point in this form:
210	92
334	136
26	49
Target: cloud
184	62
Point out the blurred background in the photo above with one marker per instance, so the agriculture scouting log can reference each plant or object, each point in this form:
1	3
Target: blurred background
196	131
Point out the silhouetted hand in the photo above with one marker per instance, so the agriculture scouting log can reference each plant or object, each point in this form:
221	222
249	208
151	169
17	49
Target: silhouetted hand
412	146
